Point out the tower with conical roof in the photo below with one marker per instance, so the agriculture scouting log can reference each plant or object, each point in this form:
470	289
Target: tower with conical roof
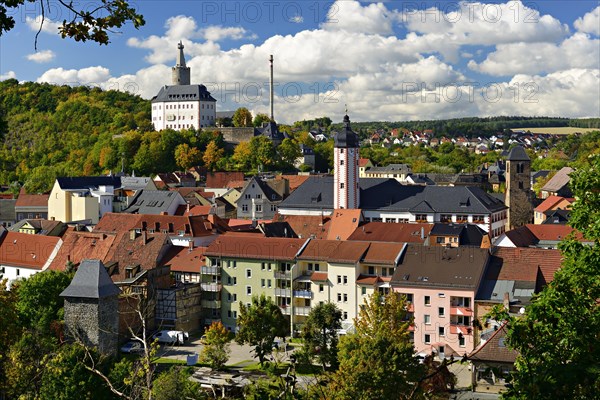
180	72
518	188
345	180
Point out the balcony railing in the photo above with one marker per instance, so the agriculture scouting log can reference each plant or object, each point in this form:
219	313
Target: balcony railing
211	270
285	310
211	304
297	310
456	328
303	294
283	275
211	287
283	292
458	310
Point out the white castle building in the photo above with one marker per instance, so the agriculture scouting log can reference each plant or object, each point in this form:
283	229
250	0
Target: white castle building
183	105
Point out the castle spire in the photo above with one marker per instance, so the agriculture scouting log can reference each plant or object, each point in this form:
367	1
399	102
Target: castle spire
180	73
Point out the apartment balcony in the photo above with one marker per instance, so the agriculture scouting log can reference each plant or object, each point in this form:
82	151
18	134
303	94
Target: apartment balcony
285	310
283	292
465	311
300	311
283	275
211	304
303	294
460	328
211	287
211	270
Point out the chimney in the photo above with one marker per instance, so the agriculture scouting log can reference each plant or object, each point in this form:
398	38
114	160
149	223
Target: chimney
271	86
144	237
191	244
506	301
422	233
187	208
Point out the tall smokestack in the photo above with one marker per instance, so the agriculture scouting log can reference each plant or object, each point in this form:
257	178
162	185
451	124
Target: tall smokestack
271	86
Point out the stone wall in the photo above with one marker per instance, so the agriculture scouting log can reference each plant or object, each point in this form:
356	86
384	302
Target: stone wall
234	136
93	322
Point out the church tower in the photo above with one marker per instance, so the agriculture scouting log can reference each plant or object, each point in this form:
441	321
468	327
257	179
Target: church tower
180	73
345	181
518	188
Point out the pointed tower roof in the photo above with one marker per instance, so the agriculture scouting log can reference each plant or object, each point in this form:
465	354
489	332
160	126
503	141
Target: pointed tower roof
91	281
346	137
180	56
518	153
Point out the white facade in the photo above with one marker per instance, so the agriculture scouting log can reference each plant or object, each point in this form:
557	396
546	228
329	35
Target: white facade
183	114
345	187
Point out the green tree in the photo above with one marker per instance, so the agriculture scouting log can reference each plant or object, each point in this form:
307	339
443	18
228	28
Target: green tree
9	328
263	151
41	179
65	376
186	156
174	384
259	324
557	337
216	350
260	119
320	334
212	155
83	23
242	117
377	362
289	151
39	305
243	156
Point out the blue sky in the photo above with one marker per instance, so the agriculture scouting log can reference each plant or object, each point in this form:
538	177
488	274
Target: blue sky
388	61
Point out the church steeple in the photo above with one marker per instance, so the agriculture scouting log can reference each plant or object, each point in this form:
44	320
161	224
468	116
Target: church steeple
346	191
180	72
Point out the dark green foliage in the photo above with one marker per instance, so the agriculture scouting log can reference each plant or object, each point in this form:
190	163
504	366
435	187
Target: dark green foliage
175	385
557	338
320	334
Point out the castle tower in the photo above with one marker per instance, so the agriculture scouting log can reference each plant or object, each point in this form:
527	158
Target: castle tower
345	181
91	308
180	74
518	188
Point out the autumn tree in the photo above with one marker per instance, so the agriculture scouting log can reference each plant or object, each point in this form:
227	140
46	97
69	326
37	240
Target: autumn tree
320	334
242	117
557	337
82	23
259	324
377	362
243	156
187	156
212	155
216	350
289	151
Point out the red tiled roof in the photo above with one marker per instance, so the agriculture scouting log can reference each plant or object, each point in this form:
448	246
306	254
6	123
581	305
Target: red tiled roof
220	179
494	349
371	280
348	252
343	223
550	203
27	251
306	226
294	180
318	276
184	259
386	232
32	200
78	246
197	210
362	162
195	225
254	247
235	184
553	232
319	249
383	253
145	253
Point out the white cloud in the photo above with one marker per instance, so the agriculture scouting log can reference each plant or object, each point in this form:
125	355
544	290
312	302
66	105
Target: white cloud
49	26
590	22
577	51
8	75
297	19
84	76
352	16
218	33
41	57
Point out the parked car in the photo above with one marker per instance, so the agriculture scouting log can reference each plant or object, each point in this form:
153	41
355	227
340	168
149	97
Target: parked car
171	337
132	346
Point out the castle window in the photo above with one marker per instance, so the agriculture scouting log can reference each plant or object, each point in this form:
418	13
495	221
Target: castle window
520	185
341	162
520	168
342	185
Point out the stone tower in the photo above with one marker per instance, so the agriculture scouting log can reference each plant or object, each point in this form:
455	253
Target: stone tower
518	188
180	73
345	180
91	308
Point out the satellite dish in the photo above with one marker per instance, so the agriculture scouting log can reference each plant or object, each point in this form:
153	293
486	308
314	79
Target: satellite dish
522	310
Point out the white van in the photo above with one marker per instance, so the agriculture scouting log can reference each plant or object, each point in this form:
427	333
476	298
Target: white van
171	337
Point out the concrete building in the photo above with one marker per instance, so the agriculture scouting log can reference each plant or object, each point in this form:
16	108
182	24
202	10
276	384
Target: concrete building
182	105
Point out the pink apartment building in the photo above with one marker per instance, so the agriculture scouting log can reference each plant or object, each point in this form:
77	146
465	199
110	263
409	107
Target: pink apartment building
441	283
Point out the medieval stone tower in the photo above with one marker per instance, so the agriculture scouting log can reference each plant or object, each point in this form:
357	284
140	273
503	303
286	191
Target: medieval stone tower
91	308
345	180
180	73
518	188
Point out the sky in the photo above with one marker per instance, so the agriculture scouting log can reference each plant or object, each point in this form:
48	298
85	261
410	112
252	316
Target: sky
383	61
